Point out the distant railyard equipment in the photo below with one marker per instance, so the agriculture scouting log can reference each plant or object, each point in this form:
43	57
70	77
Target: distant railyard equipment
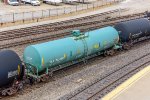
58	2
41	60
55	2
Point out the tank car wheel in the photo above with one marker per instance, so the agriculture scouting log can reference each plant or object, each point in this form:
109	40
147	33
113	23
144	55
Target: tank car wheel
105	53
20	87
120	49
50	74
27	81
10	91
4	93
30	80
13	89
47	78
111	52
44	79
38	80
126	46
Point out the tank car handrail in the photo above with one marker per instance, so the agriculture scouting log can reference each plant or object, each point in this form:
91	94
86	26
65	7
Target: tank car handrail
29	64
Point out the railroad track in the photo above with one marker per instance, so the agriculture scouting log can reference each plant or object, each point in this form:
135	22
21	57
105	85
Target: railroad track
46	28
101	86
49	28
61	31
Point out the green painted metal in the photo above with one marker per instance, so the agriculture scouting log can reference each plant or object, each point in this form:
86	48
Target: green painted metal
101	39
76	33
53	53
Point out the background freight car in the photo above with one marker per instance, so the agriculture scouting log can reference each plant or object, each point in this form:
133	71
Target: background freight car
133	29
11	70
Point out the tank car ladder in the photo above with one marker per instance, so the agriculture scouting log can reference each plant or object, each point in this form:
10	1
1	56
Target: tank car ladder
85	50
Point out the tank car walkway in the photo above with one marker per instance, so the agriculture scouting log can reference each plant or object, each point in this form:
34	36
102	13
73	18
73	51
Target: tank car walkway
135	88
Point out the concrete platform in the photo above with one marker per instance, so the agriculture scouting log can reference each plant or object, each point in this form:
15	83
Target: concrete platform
135	88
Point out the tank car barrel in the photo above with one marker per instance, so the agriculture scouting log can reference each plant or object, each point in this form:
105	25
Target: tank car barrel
52	54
